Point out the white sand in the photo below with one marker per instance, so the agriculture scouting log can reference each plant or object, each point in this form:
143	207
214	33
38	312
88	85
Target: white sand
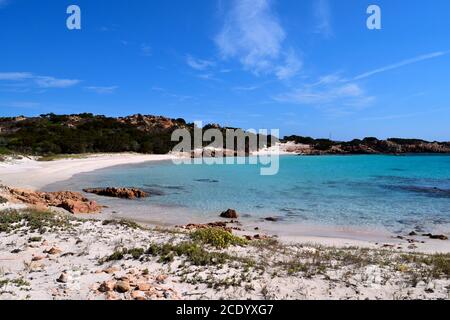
29	271
31	174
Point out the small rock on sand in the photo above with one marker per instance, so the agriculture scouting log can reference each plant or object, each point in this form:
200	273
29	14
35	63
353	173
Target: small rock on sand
436	236
111	270
138	295
107	286
143	286
229	214
53	251
63	278
122	286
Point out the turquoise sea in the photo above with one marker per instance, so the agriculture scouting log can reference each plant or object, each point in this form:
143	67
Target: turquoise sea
397	193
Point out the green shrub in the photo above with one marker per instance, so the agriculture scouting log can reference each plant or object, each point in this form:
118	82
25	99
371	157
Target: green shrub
217	237
192	251
35	239
136	253
115	256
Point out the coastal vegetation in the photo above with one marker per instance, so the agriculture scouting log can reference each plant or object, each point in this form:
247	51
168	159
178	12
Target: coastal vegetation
32	220
52	134
217	237
55	137
60	136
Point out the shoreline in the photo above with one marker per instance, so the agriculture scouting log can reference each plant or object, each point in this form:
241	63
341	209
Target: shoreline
35	175
54	255
32	174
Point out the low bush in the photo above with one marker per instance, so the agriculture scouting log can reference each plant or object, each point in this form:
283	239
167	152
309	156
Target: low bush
217	237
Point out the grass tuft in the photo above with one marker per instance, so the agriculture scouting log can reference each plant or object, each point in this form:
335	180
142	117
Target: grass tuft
122	222
54	157
3	200
34	220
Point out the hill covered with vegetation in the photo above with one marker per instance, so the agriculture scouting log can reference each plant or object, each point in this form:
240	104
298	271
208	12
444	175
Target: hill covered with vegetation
51	134
368	146
87	133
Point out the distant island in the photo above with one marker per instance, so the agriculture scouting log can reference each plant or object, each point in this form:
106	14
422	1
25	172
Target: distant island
51	134
370	145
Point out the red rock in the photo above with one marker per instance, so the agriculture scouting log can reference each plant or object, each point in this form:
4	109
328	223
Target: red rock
122	286
124	193
138	295
107	286
143	286
111	270
112	296
73	202
229	214
161	278
53	251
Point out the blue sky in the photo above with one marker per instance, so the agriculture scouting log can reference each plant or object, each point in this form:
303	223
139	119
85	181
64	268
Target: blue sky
307	67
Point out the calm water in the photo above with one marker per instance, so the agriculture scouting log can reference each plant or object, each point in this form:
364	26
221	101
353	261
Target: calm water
397	193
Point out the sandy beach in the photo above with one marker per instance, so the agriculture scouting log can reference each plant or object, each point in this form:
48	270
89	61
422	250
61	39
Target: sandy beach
28	173
57	255
32	174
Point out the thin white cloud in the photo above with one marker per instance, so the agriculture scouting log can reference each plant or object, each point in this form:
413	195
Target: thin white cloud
401	64
102	90
253	34
330	91
290	68
29	79
199	64
20	104
166	93
207	76
15	76
51	82
3	3
322	13
249	88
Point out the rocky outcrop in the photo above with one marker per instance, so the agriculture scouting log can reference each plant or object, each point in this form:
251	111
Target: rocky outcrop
436	236
149	123
73	202
310	146
229	214
218	225
272	219
123	193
